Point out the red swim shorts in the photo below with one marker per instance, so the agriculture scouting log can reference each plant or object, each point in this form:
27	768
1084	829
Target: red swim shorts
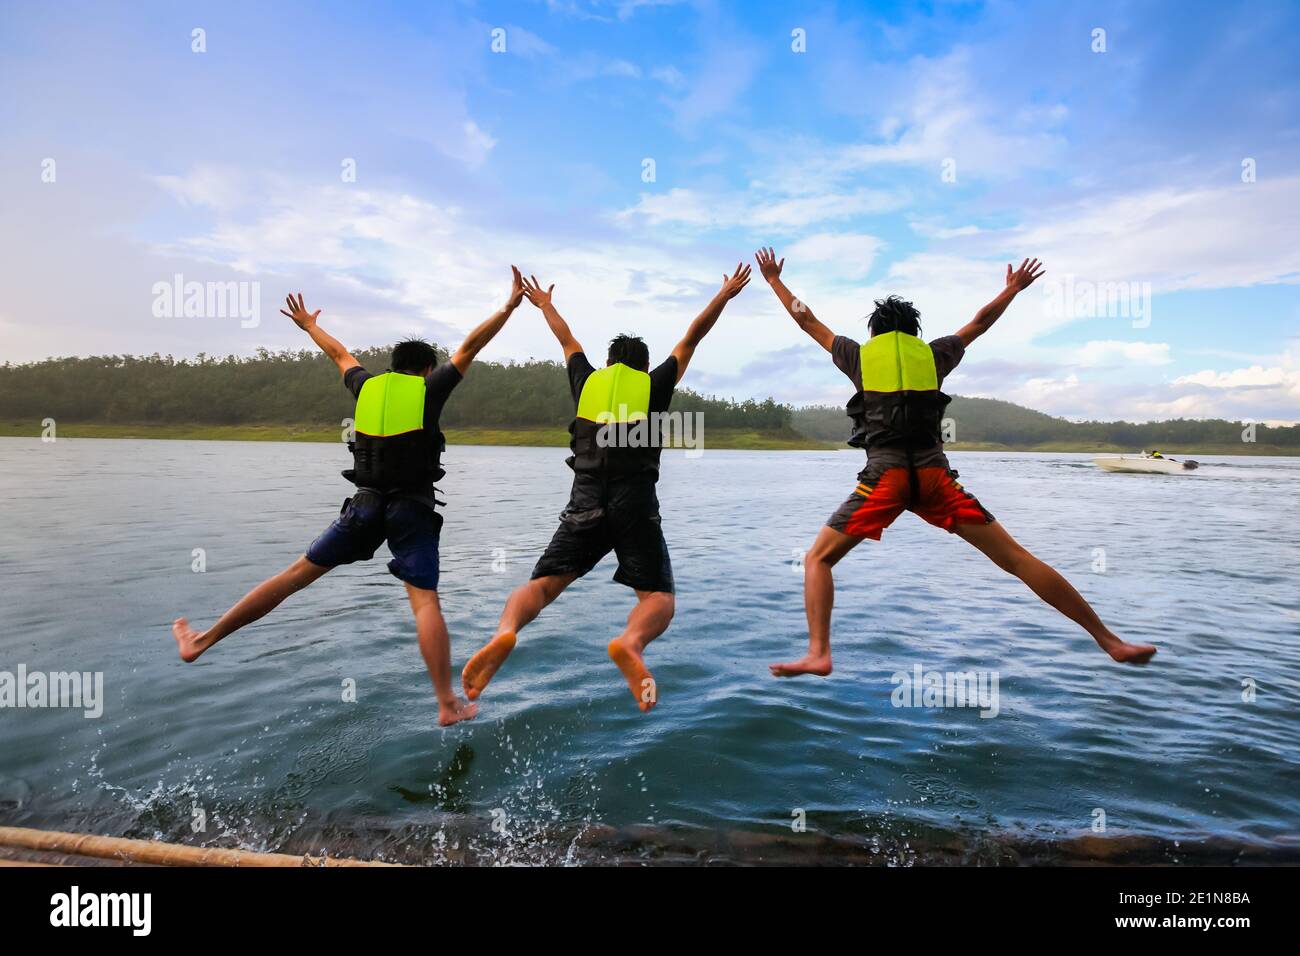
940	500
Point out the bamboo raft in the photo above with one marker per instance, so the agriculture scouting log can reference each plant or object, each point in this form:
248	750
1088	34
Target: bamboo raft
20	846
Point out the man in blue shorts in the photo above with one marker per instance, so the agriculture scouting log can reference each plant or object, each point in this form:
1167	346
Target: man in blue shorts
396	455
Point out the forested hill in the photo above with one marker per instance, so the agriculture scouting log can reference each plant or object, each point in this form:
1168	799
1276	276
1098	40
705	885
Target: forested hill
302	388
988	421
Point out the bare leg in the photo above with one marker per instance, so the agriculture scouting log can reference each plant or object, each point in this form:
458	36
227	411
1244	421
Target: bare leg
435	647
818	599
252	606
529	598
650	618
523	605
1048	584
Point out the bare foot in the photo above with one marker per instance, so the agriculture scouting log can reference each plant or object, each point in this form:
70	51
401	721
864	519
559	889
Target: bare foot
189	641
480	668
1132	653
810	664
639	682
455	712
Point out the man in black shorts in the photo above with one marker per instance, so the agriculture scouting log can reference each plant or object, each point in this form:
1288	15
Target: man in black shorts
613	506
396	459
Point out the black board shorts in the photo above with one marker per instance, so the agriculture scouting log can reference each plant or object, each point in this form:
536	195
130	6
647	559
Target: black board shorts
619	515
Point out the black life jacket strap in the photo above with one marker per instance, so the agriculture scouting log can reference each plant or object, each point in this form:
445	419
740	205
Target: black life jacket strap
913	479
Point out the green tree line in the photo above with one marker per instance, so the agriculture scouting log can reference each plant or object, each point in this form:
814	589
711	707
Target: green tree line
303	388
993	421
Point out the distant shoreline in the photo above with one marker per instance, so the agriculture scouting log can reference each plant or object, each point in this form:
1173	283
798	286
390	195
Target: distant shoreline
723	439
732	438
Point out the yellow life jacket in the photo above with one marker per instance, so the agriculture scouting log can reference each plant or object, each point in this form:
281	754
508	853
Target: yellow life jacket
391	449
611	430
898	402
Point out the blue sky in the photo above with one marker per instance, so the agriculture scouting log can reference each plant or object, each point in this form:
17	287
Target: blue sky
909	148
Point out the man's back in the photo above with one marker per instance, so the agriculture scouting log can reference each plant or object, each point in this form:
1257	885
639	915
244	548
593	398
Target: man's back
420	468
847	355
591	468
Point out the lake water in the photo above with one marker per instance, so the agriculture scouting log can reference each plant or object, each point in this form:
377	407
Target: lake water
257	743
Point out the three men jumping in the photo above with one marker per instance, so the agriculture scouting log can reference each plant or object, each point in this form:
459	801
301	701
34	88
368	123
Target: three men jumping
896	412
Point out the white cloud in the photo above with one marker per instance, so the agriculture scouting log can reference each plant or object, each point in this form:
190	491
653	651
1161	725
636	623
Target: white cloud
1110	352
1226	236
932	230
477	142
205	185
622	68
527	44
845	255
628	8
938	110
669	76
758	208
728	67
1042	393
1254	377
1259	393
1262	394
409	265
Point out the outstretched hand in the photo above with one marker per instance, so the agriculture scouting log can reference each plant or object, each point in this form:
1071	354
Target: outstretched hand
298	312
516	287
533	292
768	267
1023	278
732	284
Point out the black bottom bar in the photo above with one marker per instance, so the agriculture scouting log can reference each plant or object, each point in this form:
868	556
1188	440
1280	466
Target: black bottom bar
483	907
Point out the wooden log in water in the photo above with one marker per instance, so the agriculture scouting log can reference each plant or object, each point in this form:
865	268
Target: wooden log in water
155	853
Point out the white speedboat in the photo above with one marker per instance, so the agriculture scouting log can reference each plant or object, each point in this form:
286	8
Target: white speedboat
1144	464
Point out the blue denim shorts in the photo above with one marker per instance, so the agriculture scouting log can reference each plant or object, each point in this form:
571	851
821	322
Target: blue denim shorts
409	524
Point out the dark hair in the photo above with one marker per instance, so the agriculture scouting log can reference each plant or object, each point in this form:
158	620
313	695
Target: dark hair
895	315
413	356
630	350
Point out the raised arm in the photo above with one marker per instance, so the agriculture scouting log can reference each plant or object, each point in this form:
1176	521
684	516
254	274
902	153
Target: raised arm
488	328
328	344
695	332
541	298
1017	281
799	311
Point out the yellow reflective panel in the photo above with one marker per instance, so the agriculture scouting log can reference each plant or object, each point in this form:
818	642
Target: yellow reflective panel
390	404
615	393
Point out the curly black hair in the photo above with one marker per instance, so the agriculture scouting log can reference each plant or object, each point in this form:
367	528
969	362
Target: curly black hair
894	314
413	356
631	350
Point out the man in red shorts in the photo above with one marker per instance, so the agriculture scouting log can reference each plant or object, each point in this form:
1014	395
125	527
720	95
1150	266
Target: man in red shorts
897	415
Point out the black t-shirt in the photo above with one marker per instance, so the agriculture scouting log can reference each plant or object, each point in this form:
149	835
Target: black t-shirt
663	382
847	354
948	351
438	385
